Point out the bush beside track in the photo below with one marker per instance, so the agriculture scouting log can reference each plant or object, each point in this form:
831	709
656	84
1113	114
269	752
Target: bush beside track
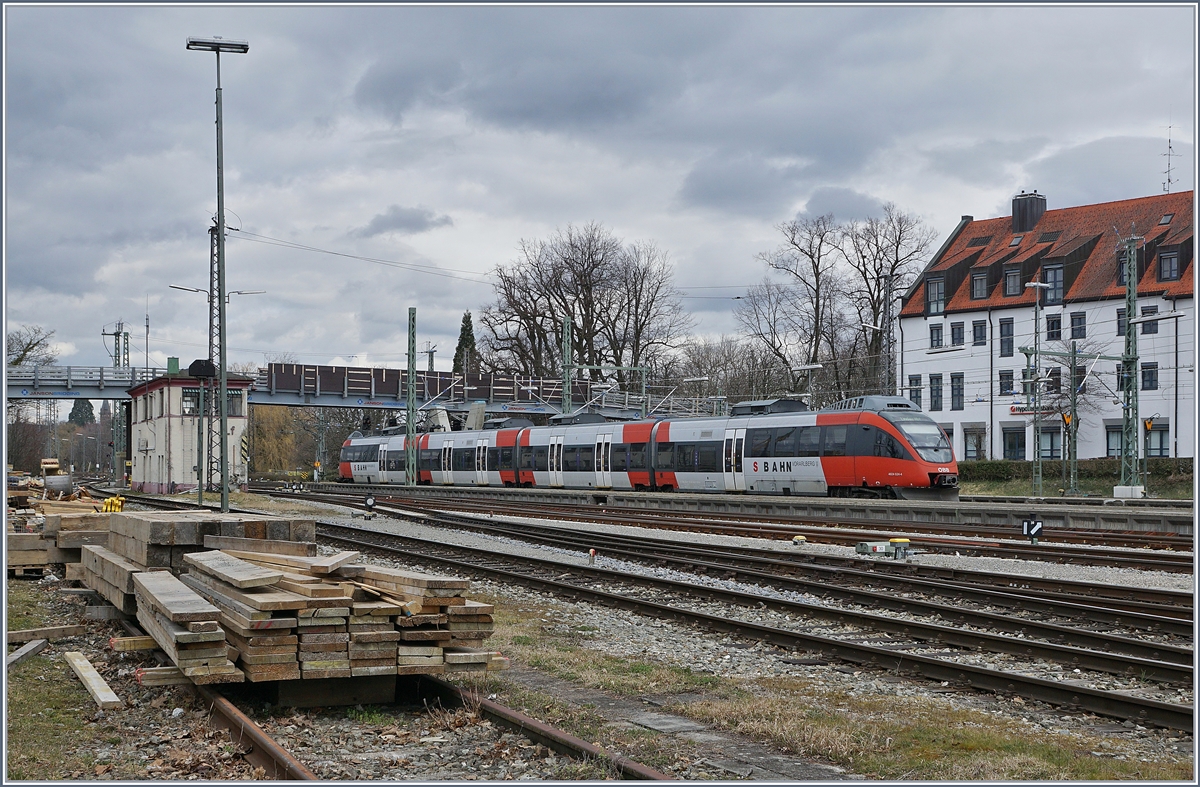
1012	470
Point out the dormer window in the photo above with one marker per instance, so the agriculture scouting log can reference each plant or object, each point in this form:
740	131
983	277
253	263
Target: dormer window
1166	219
935	295
979	286
1016	241
1168	266
1012	281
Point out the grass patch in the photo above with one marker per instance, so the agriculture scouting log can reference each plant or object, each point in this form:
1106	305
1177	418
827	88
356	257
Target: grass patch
47	725
1167	488
665	753
370	714
888	737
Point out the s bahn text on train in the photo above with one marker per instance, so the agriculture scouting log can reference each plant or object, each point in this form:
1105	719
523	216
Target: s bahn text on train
869	446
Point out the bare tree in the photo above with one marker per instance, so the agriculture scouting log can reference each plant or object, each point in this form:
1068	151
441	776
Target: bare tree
30	345
883	254
619	300
809	255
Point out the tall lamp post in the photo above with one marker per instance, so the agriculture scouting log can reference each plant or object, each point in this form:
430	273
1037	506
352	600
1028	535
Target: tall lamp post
217	46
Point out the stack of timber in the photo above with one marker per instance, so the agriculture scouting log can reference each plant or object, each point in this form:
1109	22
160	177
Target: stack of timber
156	539
111	576
59	541
421	623
185	626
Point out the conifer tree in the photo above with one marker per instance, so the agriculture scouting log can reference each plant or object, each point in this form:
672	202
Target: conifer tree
465	354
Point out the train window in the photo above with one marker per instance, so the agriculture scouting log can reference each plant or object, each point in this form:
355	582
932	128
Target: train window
540	458
525	458
504	461
708	458
620	457
665	457
493	459
835	441
395	462
808	443
463	459
637	456
428	459
586	462
760	441
685	457
924	435
888	446
785	441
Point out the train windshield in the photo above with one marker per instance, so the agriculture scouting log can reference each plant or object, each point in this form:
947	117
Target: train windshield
924	435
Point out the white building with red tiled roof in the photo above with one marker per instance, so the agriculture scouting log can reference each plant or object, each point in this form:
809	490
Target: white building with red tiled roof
964	321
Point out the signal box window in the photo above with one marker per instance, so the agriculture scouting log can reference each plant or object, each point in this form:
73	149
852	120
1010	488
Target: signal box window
191	401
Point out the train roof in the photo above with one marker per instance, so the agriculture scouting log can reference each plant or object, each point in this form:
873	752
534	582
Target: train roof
874	403
764	406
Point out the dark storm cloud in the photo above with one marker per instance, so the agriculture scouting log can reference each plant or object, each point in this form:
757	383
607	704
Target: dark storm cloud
402	221
843	204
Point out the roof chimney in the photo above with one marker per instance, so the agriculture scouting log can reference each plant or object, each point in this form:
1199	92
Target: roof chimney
1027	210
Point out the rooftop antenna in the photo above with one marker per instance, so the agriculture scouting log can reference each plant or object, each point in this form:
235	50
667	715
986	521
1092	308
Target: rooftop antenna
1169	154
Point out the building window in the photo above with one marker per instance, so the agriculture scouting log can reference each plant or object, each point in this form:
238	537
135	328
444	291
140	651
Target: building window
1121	324
233	404
956	391
957	332
1053	327
1168	266
1112	436
935	392
1152	326
1166	219
914	389
979	332
979	287
935	295
1149	377
1078	325
1012	281
935	336
1006	382
1014	444
1159	439
1079	379
1050	444
1053	275
1006	337
1054	380
190	402
1016	241
974	444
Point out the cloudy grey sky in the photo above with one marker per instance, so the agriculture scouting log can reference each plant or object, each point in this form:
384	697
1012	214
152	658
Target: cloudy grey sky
433	139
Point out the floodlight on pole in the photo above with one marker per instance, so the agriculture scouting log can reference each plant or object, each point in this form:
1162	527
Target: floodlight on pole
217	45
808	367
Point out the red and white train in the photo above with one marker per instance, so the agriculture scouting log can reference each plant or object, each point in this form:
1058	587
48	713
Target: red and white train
869	446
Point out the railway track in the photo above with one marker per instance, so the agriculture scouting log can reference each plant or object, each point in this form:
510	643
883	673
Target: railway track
900	645
965	542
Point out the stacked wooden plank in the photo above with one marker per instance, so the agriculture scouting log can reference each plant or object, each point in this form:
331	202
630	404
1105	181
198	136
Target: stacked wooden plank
185	626
422	622
111	576
155	539
59	540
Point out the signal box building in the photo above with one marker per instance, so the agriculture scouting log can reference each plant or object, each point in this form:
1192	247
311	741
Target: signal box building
165	436
964	321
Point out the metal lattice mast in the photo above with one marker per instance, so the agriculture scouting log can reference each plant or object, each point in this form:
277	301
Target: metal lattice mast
567	366
410	403
1129	369
212	470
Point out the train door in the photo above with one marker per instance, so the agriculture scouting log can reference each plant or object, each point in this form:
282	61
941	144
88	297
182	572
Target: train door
735	474
555	461
604	461
448	462
383	453
481	449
